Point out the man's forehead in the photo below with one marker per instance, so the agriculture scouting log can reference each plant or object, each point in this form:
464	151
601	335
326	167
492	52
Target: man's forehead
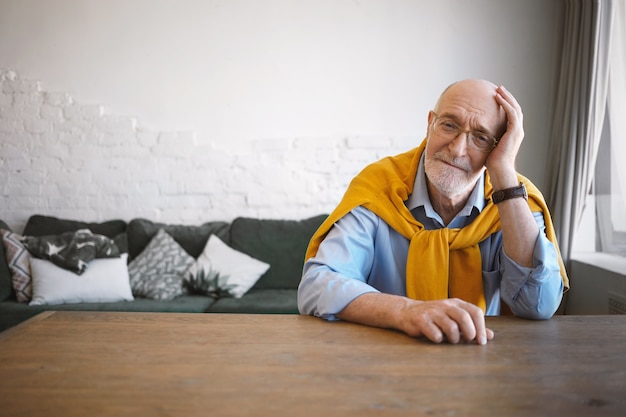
476	121
473	102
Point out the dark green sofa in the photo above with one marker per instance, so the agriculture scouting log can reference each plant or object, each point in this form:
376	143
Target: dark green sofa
280	243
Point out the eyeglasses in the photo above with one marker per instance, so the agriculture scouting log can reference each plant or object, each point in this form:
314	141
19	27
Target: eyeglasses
449	129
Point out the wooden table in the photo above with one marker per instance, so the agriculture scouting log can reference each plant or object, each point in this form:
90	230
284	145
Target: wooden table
152	364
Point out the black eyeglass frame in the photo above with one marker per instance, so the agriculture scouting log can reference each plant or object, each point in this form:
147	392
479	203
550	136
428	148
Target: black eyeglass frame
473	136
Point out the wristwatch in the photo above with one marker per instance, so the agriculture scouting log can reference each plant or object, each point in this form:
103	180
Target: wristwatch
508	193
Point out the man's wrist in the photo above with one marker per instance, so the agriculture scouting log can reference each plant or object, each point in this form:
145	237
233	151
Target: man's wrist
503	178
508	193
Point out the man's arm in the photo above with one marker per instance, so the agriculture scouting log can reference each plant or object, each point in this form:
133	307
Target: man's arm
519	229
534	297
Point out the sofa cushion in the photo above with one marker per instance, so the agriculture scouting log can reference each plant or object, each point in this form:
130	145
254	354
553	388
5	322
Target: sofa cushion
6	285
39	225
259	301
222	271
157	272
106	280
280	243
191	238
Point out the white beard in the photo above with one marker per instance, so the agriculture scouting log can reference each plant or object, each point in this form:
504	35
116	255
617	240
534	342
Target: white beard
448	180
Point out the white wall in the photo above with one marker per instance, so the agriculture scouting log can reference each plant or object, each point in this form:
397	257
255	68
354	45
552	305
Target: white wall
196	110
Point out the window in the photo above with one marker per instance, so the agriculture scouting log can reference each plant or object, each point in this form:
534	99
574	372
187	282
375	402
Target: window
610	178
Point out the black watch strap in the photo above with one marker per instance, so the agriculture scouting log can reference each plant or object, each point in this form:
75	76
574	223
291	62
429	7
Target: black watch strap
508	193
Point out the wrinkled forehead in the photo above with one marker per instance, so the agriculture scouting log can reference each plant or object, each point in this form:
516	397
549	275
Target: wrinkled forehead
473	101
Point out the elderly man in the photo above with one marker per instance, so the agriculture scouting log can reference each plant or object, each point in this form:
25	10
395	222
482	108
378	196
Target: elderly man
430	241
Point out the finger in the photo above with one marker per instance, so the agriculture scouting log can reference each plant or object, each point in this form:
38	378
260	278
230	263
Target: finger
450	328
508	103
432	332
481	330
509	110
507	97
490	334
465	323
471	320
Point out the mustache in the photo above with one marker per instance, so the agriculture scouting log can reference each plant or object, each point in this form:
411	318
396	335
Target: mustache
460	163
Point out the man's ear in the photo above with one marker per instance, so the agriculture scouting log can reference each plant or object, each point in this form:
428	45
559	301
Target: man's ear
431	116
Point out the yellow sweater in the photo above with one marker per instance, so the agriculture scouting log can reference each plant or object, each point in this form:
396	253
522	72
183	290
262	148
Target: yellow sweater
454	268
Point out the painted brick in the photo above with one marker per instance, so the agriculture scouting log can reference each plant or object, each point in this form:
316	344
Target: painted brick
179	144
6	100
53	114
147	138
171	187
271	145
116	125
372	142
20	86
79	111
57	99
24	193
38	126
11	151
28	103
317	144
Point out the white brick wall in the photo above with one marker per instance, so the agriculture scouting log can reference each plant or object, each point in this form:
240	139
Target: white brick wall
73	160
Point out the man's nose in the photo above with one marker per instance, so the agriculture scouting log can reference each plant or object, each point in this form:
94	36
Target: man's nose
458	145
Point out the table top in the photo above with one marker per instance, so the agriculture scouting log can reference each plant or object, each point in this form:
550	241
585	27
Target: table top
146	364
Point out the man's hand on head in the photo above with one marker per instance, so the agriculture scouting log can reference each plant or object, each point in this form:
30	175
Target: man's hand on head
501	162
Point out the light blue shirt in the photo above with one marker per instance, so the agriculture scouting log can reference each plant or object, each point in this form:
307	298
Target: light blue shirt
362	254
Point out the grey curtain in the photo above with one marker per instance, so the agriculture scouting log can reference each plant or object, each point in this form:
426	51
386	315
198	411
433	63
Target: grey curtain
579	113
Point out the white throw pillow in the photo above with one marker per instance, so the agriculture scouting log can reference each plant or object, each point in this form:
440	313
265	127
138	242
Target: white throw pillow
105	280
237	271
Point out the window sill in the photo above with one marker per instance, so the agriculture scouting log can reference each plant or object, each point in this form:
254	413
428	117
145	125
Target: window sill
607	261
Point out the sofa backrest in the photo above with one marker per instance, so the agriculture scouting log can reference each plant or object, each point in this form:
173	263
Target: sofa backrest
39	225
281	243
191	238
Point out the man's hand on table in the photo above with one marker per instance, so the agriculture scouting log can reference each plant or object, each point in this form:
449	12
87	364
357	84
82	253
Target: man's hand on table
451	320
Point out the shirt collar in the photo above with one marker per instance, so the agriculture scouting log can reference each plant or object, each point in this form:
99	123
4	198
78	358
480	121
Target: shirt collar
419	196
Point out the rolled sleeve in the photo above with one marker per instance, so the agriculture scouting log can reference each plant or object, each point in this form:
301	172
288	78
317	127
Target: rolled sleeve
325	293
533	293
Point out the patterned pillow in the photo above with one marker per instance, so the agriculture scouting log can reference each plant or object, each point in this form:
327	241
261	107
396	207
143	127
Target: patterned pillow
72	250
157	271
18	259
222	271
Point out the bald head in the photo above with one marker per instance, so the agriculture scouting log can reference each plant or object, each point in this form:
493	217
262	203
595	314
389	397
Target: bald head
476	98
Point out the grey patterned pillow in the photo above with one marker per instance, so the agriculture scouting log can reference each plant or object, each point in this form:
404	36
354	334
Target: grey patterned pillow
158	270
